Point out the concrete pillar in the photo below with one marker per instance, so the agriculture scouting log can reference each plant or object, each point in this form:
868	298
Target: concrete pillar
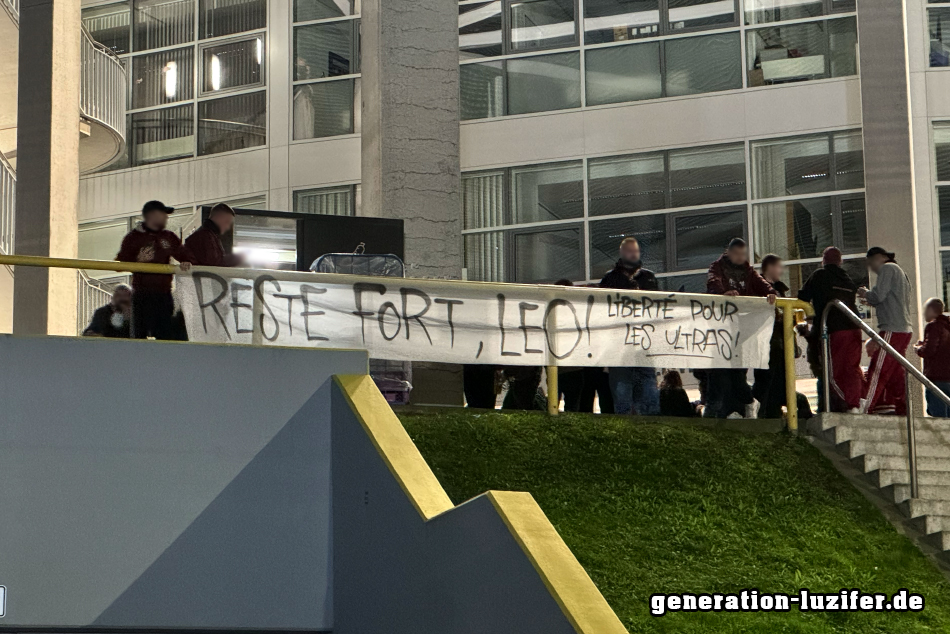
888	132
47	164
410	138
410	147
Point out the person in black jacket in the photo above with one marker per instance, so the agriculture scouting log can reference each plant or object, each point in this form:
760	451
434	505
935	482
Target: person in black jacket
674	401
825	285
769	386
634	390
114	320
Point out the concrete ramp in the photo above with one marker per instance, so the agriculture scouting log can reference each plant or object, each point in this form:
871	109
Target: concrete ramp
148	485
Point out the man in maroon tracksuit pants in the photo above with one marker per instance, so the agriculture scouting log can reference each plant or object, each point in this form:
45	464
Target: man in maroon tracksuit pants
825	285
150	242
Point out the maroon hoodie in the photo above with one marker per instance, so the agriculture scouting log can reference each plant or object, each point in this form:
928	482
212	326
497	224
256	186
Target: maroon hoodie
152	247
935	349
724	276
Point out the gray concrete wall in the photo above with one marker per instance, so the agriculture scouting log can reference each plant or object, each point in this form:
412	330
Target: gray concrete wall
461	572
410	134
193	493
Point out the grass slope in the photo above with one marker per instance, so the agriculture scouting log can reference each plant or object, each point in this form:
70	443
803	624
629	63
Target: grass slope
658	508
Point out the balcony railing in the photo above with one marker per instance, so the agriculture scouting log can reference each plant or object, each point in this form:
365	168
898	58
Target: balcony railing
13	6
7	206
102	95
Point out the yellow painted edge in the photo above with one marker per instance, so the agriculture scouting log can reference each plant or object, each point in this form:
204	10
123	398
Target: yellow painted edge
566	580
395	447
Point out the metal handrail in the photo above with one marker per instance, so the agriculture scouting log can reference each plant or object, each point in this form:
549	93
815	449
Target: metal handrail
901	359
91	295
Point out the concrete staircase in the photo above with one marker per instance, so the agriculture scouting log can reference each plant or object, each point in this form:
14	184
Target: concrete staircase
876	447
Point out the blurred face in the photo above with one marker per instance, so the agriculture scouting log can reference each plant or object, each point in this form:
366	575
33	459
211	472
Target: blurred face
931	312
738	255
122	299
876	262
224	221
630	252
156	220
775	272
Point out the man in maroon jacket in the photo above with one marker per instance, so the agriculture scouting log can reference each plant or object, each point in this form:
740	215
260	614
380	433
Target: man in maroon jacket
728	392
150	242
935	351
205	244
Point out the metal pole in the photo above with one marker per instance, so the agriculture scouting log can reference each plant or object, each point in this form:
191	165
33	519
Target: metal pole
911	437
554	396
791	393
826	366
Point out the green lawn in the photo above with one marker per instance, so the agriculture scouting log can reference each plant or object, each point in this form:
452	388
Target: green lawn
648	507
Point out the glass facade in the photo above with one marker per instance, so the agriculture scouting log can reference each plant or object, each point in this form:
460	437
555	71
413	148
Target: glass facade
523	56
328	201
178	82
539	223
941	139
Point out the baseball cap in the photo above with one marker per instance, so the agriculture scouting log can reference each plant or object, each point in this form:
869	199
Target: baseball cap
157	205
880	251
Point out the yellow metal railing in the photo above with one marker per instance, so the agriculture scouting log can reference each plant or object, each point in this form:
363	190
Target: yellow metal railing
789	308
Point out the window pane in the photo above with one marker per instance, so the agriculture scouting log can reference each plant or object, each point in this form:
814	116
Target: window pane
849	160
480	30
547	256
793	229
323	109
943	198
266	241
701	238
703	64
547	192
761	11
485	258
939	43
165	77
618	20
626	184
623	73
483	200
305	10
605	237
706	176
546	82
701	14
854	226
843	37
233	64
232	123
325	201
695	283
942	147
109	25
160	23
162	135
101	240
482	89
324	50
542	24
788	167
224	17
791	52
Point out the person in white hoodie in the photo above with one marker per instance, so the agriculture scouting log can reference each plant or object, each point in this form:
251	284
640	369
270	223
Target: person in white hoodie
886	392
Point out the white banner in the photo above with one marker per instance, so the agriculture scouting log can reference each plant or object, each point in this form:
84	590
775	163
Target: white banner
473	322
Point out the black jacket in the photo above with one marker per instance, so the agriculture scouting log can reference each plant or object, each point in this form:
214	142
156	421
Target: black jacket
642	280
826	284
101	325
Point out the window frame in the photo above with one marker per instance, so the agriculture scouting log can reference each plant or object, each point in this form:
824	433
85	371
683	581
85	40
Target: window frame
204	45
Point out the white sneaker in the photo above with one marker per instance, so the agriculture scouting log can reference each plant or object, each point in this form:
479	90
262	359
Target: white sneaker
752	409
734	415
854	410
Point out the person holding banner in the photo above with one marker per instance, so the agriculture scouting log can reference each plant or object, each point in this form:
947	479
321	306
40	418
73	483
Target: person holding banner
150	242
728	391
634	390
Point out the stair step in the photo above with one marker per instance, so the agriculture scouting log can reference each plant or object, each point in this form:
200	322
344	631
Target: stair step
928	524
855	448
939	540
900	492
922	506
828	421
873	462
886	477
927	433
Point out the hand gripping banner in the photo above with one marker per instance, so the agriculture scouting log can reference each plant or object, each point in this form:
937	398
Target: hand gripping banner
475	322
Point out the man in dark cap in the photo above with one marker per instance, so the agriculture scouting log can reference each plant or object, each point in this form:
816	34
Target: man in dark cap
151	243
205	244
886	392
